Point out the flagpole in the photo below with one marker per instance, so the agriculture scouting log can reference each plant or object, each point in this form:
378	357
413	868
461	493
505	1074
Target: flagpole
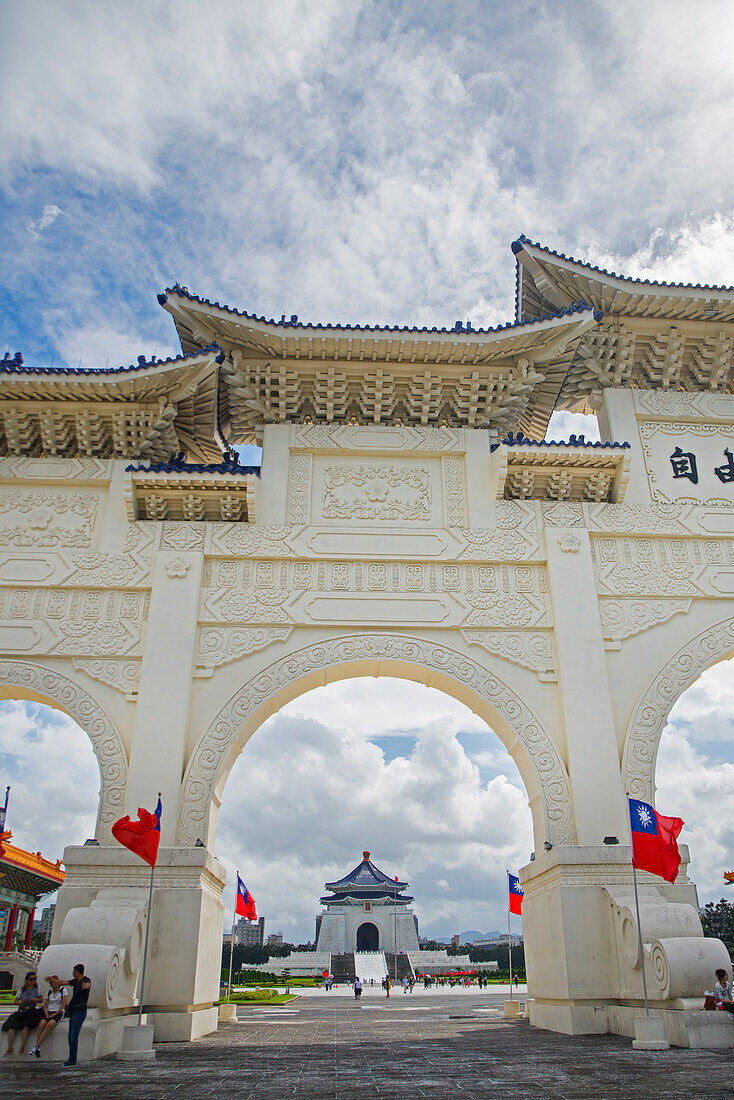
509	934
231	948
4	811
637	907
395	960
145	948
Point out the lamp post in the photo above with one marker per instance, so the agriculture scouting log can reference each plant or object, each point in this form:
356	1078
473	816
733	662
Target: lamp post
395	958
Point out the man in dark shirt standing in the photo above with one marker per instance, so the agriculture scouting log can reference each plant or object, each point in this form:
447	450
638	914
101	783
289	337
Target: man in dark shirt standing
76	1009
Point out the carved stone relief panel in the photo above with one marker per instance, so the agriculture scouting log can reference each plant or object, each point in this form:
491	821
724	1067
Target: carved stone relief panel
622	619
663	567
533	649
72	621
38	518
55	469
454	492
676	403
272	592
75	569
122	675
352	437
220	644
377	491
299	488
238	538
206	761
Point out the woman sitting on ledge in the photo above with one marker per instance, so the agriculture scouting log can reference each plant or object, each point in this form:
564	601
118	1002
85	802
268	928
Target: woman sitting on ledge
27	1014
53	1013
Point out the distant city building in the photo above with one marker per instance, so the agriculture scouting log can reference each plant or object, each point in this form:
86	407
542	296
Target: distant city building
248	934
367	911
498	941
46	923
456	941
275	939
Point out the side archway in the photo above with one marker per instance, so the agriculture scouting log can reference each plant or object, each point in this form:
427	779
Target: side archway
650	715
536	755
44	685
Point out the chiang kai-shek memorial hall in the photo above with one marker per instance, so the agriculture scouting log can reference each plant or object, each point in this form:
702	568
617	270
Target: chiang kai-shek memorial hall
409	519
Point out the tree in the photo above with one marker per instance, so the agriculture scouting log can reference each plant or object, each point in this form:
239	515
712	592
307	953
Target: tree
718	921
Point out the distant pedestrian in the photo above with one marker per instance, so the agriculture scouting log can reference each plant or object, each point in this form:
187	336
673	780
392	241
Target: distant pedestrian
517	981
77	1008
405	985
387	984
357	989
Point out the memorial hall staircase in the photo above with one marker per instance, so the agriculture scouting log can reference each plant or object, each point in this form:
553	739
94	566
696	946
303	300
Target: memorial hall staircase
405	970
342	967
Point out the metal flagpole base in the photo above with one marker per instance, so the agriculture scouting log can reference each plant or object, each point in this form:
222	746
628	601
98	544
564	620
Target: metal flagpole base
137	1043
649	1034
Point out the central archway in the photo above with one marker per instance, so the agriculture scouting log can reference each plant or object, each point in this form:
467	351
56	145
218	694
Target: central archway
368	938
536	755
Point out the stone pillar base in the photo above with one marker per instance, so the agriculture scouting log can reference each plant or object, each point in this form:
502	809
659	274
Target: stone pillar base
512	1010
650	1034
179	1027
228	1014
137	1044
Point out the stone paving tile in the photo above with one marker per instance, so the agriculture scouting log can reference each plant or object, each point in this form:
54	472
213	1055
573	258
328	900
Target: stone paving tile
340	1052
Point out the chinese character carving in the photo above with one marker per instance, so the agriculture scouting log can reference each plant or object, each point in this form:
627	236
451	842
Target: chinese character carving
725	473
684	465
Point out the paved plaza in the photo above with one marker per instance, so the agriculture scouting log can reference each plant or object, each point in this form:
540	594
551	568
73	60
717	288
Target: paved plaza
441	1046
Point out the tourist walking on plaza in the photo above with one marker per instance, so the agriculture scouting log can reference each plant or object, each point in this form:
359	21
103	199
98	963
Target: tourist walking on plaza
386	985
77	1009
357	989
722	992
27	1014
53	1013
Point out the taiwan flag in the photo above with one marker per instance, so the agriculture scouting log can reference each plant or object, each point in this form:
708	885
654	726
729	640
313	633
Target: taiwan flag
654	840
245	903
516	894
142	836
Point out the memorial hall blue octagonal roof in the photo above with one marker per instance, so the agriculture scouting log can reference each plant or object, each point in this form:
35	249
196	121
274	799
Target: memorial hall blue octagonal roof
365	877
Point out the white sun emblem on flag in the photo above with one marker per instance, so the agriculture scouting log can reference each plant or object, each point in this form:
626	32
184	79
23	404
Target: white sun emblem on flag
644	815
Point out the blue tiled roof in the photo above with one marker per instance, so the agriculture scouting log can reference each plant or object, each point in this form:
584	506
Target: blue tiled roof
364	876
293	322
15	365
366	895
177	464
517	439
522	240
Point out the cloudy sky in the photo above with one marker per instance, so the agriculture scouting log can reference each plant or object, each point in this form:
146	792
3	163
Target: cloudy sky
350	161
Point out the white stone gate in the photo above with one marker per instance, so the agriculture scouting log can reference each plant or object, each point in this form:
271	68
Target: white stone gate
170	600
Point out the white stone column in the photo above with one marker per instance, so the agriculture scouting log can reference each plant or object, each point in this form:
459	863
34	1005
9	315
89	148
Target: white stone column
159	738
593	758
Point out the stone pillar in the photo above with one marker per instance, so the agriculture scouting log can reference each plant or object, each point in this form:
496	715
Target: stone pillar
161	714
591	741
29	927
11	928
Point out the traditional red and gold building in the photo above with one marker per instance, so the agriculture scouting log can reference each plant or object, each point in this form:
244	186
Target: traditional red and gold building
25	877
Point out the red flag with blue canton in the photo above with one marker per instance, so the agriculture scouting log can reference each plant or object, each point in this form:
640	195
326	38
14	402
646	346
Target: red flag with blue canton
142	836
654	840
516	894
245	903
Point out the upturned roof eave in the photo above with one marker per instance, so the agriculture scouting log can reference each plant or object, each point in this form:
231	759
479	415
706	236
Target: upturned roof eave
193	308
167	375
643	288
